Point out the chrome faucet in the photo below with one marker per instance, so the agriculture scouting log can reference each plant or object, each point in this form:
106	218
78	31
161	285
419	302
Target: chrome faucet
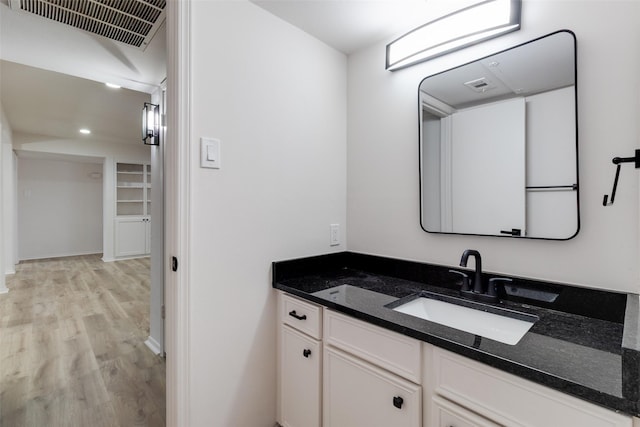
477	280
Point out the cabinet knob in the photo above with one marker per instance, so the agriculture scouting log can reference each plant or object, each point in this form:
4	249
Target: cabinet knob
306	352
398	401
294	314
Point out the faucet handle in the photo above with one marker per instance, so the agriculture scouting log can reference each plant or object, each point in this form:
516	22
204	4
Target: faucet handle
492	285
465	279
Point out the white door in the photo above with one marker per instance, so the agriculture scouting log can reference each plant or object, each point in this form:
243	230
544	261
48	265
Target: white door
488	168
357	393
300	380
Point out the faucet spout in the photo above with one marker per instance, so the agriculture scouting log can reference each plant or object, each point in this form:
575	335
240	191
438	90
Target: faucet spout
477	280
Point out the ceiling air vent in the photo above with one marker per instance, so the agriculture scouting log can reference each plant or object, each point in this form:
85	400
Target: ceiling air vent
480	85
133	22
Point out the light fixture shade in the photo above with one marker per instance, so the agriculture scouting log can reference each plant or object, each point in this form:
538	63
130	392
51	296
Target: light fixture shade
151	124
480	21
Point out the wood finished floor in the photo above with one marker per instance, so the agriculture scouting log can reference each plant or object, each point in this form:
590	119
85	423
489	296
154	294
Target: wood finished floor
72	350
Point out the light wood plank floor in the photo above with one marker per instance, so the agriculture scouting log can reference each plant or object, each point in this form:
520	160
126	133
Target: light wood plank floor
72	350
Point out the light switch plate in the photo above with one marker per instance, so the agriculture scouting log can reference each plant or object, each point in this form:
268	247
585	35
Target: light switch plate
210	153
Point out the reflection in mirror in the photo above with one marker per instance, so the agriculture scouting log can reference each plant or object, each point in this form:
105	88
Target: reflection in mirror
498	144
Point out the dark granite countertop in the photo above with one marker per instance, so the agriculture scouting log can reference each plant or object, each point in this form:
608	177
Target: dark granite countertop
586	342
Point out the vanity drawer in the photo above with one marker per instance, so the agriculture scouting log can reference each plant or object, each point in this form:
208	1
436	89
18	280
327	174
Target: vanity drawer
389	350
301	315
512	401
448	414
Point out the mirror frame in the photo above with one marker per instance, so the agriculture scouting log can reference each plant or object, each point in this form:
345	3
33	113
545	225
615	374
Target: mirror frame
577	184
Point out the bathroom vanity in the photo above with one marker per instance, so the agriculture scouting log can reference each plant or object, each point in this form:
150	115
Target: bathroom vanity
347	358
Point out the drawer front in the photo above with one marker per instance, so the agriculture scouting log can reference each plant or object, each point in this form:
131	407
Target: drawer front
389	350
300	379
301	315
448	414
358	394
513	401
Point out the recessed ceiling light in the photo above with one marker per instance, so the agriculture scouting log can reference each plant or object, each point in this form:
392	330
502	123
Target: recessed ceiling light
113	85
85	131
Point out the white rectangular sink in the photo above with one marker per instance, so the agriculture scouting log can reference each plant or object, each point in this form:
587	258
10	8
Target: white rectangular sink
497	327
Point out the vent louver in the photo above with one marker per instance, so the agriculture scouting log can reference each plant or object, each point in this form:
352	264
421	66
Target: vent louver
133	22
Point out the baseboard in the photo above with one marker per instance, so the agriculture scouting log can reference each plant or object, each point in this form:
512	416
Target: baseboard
153	345
123	258
10	272
4	290
60	255
105	259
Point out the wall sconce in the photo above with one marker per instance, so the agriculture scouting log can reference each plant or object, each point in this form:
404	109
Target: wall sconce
481	21
151	124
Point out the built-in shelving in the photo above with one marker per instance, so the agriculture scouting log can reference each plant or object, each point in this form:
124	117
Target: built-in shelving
133	188
133	209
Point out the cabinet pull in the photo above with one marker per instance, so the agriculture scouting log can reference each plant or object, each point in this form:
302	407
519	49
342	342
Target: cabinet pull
306	352
294	314
398	401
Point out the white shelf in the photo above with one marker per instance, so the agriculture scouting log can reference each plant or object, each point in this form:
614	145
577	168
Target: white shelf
133	188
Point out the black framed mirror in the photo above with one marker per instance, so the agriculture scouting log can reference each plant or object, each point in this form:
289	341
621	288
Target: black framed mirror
499	144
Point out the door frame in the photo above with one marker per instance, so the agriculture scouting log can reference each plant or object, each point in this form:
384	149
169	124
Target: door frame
177	212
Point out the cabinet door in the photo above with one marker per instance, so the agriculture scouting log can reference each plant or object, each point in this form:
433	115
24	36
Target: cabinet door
300	379
357	393
131	236
448	414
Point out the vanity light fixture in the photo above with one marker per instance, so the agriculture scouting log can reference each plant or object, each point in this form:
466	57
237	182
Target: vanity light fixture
85	131
482	20
151	124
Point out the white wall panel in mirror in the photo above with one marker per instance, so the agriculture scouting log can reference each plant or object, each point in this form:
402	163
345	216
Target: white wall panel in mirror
498	144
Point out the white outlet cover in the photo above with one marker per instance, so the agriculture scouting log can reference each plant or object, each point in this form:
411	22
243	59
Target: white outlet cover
334	238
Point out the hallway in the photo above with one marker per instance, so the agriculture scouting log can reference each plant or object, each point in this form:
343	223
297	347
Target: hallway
72	350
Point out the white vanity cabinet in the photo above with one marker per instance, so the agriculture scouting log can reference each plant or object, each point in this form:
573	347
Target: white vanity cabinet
478	395
339	371
300	363
369	375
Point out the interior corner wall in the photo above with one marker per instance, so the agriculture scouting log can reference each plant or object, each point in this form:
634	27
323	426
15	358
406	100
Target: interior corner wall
6	202
8	207
276	99
110	152
383	195
59	208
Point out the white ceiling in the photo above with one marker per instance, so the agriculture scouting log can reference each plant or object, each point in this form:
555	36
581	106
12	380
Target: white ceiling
48	101
534	67
57	105
349	25
52	79
29	39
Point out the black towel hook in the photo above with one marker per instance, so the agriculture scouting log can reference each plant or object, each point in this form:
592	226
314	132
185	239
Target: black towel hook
617	161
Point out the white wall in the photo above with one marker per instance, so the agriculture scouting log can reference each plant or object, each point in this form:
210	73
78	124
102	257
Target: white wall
383	199
110	153
277	100
156	324
8	214
6	201
59	208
